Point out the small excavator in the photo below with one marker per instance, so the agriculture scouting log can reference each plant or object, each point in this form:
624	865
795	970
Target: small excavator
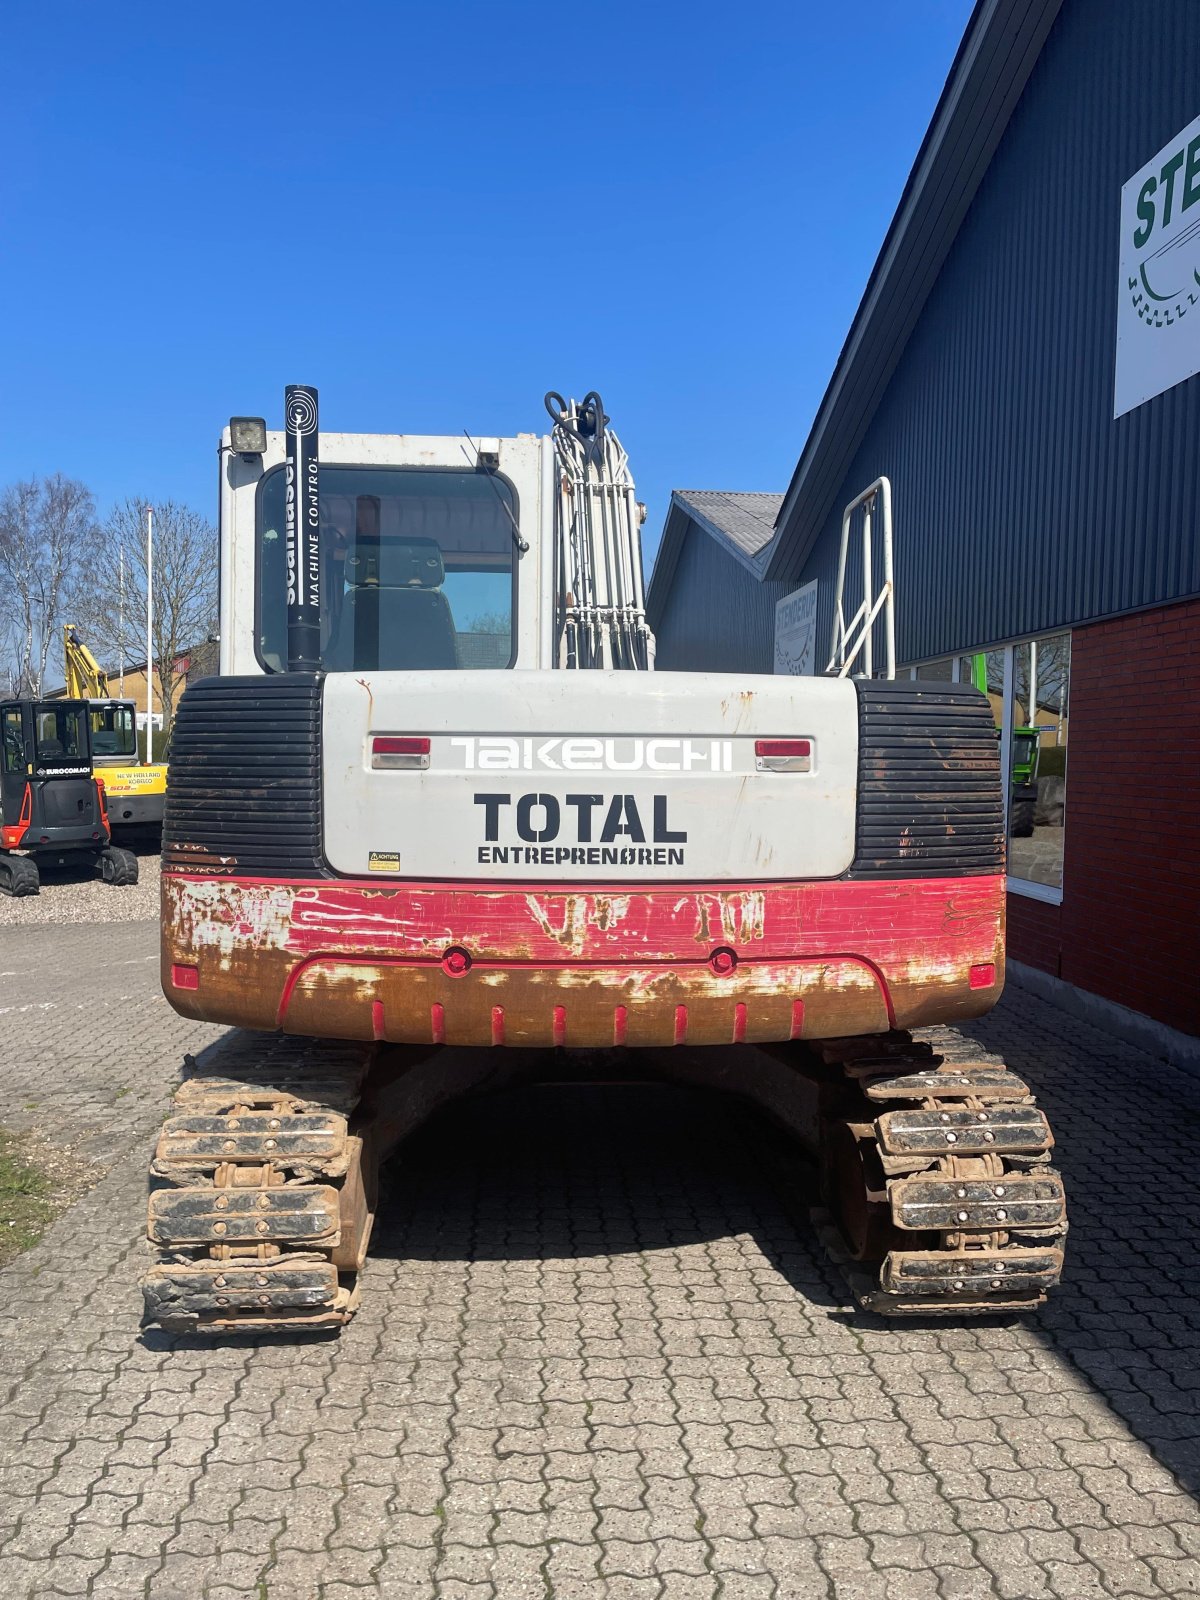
135	790
52	805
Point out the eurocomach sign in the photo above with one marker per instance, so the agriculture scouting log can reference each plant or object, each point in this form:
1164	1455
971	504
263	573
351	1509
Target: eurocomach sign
1158	297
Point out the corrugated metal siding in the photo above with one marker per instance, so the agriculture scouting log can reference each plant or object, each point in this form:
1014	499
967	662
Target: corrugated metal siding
718	617
1020	504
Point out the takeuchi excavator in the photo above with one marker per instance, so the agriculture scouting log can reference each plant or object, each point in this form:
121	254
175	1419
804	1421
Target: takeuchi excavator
438	821
135	789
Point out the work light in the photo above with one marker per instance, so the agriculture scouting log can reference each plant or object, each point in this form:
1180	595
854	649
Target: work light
248	435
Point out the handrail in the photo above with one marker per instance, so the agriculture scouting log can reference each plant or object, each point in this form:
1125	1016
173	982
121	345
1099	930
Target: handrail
847	644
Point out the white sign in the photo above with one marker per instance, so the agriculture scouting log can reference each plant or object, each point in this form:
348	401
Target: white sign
796	632
1158	306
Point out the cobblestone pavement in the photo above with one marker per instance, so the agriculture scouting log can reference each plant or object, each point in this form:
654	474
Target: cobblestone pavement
599	1357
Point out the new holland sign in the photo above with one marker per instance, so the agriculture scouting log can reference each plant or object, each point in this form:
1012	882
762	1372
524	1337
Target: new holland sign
1158	309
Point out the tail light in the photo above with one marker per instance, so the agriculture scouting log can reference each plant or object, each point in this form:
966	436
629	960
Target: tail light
783	755
398	753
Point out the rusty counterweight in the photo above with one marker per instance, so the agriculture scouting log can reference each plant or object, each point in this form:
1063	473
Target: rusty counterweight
466	964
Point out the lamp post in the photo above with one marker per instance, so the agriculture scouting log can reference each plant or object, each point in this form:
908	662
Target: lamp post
149	634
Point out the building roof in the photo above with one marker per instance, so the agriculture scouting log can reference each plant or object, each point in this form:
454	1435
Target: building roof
745	519
743	522
998	51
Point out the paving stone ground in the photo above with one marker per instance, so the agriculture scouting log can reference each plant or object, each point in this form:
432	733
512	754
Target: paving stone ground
599	1356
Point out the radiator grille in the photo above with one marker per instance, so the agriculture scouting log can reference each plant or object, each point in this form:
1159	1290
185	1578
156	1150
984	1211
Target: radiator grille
929	796
244	780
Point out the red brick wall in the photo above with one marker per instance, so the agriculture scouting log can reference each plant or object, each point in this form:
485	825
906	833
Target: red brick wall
1129	924
1035	933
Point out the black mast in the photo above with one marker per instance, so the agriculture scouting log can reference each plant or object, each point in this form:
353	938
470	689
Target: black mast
303	521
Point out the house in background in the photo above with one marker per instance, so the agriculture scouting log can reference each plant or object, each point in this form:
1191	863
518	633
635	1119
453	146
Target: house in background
1021	369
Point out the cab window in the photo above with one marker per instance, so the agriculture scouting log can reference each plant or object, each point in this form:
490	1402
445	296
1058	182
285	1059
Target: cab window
61	734
14	740
416	569
112	731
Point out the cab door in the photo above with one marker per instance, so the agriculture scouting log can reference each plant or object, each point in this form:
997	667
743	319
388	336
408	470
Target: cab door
15	757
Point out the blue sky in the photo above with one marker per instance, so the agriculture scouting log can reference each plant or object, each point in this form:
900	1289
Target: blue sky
438	212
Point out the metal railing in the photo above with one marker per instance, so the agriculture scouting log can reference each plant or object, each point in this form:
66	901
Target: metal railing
856	638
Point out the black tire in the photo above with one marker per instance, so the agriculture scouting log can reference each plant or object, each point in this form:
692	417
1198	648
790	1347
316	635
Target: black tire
118	867
1021	820
18	876
28	879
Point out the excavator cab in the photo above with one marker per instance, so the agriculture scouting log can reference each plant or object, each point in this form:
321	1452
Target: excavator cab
52	806
114	734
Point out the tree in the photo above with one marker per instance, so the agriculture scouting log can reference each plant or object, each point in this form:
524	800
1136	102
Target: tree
48	534
185	591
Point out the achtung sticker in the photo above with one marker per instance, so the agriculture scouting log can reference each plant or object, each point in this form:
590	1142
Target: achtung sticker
384	860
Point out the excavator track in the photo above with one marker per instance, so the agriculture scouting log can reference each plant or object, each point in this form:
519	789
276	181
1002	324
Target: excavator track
262	1191
939	1196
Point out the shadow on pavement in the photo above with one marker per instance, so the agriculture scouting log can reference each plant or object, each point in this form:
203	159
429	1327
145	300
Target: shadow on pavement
573	1170
1127	1314
576	1170
567	1171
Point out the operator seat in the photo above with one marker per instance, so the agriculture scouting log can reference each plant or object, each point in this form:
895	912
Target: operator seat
404	624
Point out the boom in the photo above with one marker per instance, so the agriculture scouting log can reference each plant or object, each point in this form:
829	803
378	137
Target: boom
135	790
86	678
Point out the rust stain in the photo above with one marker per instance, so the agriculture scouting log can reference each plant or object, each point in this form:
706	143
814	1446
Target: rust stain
337	947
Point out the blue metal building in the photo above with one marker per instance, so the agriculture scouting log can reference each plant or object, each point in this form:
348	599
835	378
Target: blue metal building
1041	540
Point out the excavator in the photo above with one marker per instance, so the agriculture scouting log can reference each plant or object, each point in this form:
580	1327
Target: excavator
135	790
52	806
439	822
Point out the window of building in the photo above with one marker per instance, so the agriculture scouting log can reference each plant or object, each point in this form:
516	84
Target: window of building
1028	685
416	569
1039	716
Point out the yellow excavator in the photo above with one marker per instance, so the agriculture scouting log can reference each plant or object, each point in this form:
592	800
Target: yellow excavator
135	790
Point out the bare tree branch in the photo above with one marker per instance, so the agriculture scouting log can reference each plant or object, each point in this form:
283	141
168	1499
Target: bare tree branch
185	591
47	533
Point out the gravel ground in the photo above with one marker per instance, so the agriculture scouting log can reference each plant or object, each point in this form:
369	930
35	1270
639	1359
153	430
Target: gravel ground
77	895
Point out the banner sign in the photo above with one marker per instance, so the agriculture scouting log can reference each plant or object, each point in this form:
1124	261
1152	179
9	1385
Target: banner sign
302	518
796	632
1158	305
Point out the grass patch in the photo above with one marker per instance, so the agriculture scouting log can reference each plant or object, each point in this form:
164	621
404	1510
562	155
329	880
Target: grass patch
26	1200
38	1181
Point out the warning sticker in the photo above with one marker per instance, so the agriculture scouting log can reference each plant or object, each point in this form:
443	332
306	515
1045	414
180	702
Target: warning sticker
384	860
